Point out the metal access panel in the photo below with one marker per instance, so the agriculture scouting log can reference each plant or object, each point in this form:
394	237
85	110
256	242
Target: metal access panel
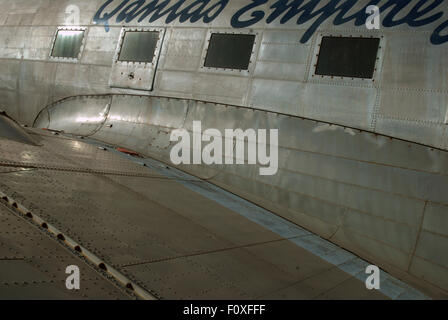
136	58
353	57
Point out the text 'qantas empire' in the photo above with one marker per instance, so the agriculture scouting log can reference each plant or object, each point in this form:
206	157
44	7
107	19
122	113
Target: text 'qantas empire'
414	13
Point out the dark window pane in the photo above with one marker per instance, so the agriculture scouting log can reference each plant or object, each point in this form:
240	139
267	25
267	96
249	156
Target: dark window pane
68	43
230	51
347	57
139	46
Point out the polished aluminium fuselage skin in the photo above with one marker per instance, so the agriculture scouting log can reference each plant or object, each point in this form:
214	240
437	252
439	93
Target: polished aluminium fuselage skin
369	173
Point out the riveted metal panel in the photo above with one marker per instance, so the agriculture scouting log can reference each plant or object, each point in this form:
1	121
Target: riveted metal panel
34	266
100	46
415	65
133	74
286	99
330	178
184	50
89	206
424	108
411	64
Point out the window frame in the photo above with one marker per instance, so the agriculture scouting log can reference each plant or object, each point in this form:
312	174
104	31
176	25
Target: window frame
328	78
81	49
157	49
252	59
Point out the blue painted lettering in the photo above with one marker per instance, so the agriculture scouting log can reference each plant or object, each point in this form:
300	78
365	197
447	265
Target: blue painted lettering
417	13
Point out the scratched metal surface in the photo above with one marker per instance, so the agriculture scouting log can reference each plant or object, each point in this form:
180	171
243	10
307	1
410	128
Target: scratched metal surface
178	247
379	197
408	98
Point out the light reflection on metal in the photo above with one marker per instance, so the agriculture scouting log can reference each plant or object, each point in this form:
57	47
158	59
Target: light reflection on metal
341	183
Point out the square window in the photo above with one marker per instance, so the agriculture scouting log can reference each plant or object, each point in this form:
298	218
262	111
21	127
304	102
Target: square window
139	46
68	44
229	51
353	57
